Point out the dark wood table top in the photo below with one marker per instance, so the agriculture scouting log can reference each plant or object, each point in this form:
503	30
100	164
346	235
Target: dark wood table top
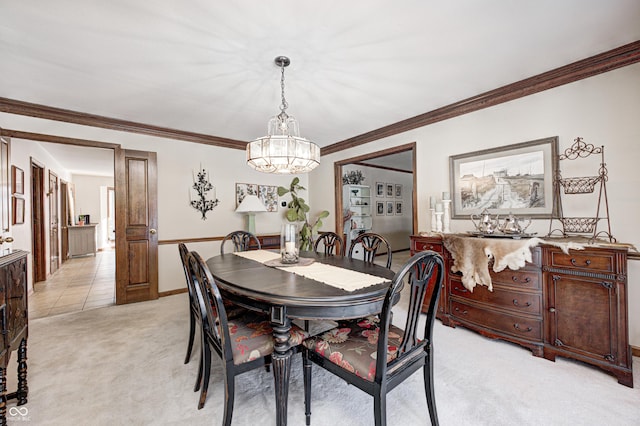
261	287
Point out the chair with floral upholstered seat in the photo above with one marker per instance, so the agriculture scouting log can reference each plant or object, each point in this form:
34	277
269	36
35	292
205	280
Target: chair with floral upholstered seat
371	243
330	242
243	344
194	309
241	240
375	355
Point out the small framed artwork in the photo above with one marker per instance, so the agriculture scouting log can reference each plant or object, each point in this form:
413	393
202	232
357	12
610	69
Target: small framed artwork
18	211
389	208
379	189
17	180
398	190
380	208
399	208
390	190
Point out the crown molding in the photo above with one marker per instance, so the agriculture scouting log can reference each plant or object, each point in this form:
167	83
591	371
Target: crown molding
620	57
13	106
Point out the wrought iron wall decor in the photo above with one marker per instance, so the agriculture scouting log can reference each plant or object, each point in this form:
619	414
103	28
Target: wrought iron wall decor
202	185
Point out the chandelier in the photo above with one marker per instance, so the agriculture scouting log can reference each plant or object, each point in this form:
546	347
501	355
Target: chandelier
283	150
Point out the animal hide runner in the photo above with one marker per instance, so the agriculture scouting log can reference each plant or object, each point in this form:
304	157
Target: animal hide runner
471	256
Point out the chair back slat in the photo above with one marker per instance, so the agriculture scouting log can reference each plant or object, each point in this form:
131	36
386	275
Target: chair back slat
193	298
214	315
425	271
331	242
241	241
371	243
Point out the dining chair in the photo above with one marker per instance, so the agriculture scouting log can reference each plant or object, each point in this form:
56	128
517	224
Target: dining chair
241	241
371	243
331	243
375	355
243	343
194	308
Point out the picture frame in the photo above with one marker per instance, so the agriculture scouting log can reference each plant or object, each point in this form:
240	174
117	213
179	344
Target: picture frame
268	194
17	180
379	208
390	208
514	179
379	189
398	190
399	208
18	211
390	190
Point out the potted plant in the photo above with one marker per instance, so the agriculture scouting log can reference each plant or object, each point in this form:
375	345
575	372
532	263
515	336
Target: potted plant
297	212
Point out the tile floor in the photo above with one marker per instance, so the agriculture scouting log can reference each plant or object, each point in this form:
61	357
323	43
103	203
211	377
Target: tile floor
81	283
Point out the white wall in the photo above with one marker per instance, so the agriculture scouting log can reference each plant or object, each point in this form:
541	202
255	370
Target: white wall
604	110
91	199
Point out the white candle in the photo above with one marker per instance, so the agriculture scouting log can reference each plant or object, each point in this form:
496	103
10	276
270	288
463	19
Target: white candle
446	195
432	202
438	207
289	247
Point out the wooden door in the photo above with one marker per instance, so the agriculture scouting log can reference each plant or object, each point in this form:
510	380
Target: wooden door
64	221
136	226
38	222
54	240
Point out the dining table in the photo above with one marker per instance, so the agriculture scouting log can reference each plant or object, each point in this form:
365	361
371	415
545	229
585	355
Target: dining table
319	287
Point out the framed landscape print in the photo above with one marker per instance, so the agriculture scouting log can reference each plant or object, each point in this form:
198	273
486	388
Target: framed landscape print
514	179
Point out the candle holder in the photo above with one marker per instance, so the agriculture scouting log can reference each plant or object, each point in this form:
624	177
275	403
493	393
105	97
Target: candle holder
202	186
446	219
438	221
433	220
289	243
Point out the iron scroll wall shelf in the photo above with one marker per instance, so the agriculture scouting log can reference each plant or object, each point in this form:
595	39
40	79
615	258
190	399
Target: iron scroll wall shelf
585	226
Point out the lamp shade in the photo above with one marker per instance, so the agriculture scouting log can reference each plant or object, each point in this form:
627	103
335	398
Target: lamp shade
251	204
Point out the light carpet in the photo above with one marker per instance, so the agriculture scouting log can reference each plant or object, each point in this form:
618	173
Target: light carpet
123	365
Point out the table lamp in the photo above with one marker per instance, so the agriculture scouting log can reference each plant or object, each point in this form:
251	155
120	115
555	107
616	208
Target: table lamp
251	205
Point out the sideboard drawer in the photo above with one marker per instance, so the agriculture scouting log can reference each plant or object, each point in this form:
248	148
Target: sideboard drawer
520	278
523	327
584	260
419	245
520	302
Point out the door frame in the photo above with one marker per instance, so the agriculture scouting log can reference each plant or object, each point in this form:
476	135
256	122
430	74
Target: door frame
337	172
54	228
38	240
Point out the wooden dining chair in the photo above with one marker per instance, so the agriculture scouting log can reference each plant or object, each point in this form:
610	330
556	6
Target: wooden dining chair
371	243
331	243
241	241
375	355
194	308
243	343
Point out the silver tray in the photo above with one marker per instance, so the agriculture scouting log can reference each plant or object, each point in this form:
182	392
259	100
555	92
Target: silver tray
501	235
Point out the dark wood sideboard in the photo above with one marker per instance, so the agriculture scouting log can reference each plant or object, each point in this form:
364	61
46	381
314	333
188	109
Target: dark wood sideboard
571	305
14	324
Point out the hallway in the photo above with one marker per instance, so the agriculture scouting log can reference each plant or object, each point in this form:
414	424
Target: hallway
80	284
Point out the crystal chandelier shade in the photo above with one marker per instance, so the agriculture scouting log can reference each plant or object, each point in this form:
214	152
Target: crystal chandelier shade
283	150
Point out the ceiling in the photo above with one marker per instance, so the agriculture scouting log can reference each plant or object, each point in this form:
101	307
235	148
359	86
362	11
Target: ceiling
207	66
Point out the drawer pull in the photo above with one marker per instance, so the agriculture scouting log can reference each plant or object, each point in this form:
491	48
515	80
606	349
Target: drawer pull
526	305
515	279
574	263
517	327
462	312
461	290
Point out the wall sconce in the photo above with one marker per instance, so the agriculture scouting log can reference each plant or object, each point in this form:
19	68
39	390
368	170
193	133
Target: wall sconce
202	185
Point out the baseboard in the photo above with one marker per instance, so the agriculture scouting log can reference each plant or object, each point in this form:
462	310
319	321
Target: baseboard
172	292
635	351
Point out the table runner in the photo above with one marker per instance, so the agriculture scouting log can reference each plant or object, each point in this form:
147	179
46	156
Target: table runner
334	276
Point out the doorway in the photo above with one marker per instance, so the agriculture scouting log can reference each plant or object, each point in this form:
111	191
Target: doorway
384	160
37	222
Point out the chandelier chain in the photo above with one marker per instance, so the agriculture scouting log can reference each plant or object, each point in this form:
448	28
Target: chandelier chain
284	104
